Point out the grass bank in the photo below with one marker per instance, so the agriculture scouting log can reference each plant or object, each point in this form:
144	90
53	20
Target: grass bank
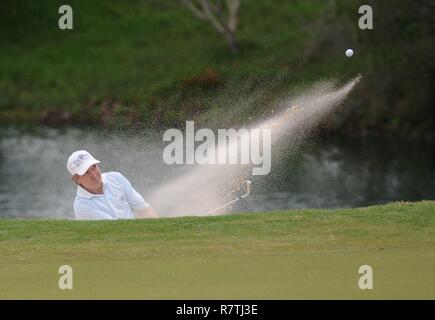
138	56
152	63
283	254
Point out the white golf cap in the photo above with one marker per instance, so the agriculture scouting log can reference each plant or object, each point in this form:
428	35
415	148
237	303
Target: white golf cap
80	161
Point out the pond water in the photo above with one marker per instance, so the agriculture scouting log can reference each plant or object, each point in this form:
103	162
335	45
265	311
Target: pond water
324	173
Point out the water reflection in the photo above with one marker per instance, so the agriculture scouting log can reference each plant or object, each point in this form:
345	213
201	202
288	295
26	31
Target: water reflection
325	173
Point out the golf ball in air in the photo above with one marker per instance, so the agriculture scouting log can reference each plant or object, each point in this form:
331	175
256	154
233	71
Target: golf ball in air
349	53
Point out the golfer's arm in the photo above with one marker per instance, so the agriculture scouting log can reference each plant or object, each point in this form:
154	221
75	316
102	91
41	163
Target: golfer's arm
146	213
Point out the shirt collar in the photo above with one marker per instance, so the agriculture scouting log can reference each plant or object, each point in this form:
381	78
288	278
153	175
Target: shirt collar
82	192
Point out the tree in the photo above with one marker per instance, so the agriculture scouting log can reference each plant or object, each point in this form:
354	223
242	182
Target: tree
222	16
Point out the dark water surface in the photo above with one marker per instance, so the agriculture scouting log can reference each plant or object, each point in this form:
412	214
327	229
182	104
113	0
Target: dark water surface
327	173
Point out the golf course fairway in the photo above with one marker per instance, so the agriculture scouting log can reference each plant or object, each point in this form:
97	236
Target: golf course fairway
294	254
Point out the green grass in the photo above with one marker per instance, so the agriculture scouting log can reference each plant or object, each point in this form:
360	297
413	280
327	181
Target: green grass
283	254
136	55
133	50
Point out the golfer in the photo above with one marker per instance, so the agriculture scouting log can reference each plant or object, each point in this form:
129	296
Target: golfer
104	196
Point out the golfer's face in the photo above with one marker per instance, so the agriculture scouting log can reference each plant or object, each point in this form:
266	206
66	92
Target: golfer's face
92	177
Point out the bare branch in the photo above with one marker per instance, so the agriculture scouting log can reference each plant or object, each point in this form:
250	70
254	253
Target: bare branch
195	10
233	16
225	25
218	25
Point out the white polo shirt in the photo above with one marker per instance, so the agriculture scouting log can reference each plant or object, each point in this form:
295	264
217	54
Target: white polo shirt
118	200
